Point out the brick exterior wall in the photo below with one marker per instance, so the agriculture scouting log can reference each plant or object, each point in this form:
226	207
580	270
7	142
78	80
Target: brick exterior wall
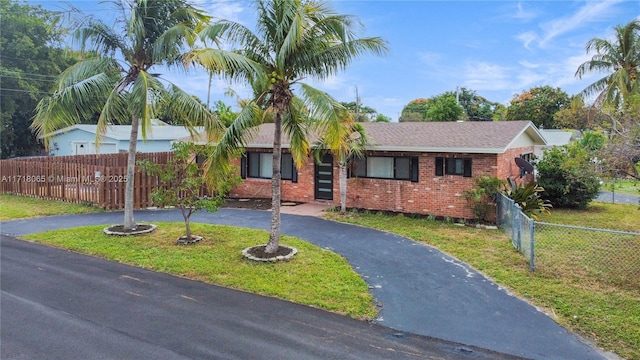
431	195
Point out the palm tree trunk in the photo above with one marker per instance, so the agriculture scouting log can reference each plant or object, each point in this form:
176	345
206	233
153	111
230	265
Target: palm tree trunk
276	195
129	222
342	174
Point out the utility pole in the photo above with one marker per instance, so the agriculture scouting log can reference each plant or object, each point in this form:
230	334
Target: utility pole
357	102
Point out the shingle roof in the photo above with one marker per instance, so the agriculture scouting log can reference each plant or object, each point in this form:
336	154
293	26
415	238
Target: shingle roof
556	137
467	137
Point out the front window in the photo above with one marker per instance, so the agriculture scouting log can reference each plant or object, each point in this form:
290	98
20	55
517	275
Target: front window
260	165
386	167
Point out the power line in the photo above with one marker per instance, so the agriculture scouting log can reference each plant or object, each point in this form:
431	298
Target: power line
24	91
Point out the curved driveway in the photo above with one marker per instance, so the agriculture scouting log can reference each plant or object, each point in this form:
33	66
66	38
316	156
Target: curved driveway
420	289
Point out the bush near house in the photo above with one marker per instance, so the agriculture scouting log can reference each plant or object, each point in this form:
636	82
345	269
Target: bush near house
568	177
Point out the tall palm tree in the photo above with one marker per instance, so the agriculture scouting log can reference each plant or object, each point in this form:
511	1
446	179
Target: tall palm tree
294	40
120	84
347	141
619	59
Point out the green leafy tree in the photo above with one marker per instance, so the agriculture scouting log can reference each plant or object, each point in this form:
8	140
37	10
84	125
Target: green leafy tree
122	83
568	176
619	59
224	112
579	116
361	113
31	57
415	110
621	152
476	107
444	108
538	105
382	118
181	183
294	40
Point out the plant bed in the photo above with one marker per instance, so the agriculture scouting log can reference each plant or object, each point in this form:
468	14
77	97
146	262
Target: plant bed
256	253
119	230
182	240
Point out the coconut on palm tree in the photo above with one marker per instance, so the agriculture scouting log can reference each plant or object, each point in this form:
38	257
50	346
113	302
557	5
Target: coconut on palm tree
120	83
619	59
294	40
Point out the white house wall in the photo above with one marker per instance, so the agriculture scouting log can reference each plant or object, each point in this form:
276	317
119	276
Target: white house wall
69	142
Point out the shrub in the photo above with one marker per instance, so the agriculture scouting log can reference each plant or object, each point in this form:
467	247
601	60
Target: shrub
482	196
568	177
528	198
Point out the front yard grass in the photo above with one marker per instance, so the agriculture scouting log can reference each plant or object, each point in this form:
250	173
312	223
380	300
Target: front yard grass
20	207
622	186
315	276
607	314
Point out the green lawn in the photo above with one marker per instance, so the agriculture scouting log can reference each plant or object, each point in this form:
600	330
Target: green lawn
607	313
20	207
314	277
623	186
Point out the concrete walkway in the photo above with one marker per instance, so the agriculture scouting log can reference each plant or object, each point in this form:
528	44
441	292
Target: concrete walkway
420	289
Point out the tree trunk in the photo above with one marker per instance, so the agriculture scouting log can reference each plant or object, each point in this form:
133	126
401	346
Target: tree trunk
129	222
276	195
342	174
187	223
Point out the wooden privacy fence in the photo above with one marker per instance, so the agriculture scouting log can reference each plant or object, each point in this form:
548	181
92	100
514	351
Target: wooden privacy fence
94	179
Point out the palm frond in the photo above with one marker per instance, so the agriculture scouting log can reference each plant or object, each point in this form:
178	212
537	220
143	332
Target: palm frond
81	89
194	113
144	91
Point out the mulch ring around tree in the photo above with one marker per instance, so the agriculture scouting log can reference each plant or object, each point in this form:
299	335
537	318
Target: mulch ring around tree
184	241
119	230
253	203
257	253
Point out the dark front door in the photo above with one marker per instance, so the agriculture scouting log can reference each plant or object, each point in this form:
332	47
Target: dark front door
324	178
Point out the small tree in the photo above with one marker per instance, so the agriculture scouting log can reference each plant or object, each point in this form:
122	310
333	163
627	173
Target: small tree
181	181
483	196
568	176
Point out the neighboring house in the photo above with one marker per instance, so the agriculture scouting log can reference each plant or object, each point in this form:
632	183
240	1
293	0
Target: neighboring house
553	137
81	139
410	167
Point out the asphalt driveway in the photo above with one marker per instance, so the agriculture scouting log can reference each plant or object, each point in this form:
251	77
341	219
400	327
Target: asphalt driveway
61	305
420	289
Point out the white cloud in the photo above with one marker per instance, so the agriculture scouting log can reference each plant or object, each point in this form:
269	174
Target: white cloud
592	11
429	58
524	14
233	11
527	38
528	65
486	76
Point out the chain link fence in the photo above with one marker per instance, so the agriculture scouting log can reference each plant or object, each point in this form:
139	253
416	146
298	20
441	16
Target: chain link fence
595	255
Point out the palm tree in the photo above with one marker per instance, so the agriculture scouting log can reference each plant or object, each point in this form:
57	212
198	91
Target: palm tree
294	40
620	60
347	141
119	83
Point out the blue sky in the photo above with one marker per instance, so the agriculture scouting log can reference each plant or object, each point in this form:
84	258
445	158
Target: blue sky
497	48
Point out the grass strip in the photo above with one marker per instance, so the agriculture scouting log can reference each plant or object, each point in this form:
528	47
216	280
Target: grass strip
314	277
21	207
